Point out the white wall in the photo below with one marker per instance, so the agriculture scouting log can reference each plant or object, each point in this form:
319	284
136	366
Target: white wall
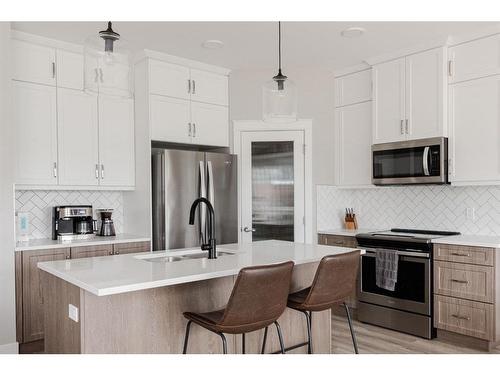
7	286
315	101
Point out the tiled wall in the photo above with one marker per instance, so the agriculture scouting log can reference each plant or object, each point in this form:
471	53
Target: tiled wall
440	207
39	203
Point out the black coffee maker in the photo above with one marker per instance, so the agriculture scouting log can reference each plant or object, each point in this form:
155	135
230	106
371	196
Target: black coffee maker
72	222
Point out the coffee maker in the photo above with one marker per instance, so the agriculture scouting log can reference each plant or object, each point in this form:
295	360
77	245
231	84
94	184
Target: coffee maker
72	222
106	226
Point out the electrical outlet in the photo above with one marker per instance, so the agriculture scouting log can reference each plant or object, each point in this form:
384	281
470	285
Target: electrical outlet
73	312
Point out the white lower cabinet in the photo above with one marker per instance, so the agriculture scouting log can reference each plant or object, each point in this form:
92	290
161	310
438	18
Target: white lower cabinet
77	138
354	139
210	124
475	130
170	119
35	122
116	141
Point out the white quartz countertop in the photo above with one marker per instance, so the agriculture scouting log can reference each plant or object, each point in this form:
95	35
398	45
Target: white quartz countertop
130	272
47	243
470	240
348	232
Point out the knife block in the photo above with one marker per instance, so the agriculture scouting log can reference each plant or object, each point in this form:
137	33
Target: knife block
350	222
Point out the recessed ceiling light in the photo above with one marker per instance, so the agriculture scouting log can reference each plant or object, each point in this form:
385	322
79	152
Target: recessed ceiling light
353	32
212	44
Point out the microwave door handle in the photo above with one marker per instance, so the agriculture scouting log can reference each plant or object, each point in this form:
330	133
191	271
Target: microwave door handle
425	161
202	211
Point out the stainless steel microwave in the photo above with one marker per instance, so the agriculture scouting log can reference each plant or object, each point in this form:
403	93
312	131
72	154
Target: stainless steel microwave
422	161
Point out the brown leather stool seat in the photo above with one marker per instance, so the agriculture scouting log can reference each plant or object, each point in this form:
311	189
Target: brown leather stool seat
253	304
333	283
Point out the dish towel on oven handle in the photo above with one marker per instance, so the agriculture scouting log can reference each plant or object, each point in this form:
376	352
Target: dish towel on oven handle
386	268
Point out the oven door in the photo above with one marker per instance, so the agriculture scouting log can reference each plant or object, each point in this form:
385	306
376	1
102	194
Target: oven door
413	287
410	162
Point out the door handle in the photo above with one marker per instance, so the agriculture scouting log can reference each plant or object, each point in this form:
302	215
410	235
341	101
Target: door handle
189	86
102	170
189	129
406	126
102	78
247	229
194	129
97	171
194	86
401	127
96	78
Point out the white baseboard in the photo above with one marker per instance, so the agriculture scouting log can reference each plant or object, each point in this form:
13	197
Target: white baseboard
12	348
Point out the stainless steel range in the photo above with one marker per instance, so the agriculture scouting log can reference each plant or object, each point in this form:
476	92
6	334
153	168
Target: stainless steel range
409	307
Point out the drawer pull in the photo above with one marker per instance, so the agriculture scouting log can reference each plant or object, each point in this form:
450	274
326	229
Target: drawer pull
461	317
460	281
460	254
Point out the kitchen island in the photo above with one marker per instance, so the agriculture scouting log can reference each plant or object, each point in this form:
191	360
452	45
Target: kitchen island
133	303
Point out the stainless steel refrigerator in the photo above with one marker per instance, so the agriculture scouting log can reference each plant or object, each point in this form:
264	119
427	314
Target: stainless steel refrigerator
178	178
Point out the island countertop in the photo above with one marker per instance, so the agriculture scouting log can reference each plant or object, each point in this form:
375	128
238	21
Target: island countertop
131	272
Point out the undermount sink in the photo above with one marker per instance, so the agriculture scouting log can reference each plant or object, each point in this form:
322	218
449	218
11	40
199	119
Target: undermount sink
164	259
205	255
176	258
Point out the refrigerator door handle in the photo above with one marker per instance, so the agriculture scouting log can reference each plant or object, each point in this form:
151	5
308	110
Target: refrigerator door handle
202	210
211	191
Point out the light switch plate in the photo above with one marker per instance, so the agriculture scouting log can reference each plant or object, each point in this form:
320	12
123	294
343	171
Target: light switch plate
73	312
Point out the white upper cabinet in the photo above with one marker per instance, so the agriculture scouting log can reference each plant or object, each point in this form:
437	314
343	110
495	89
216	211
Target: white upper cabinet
210	124
35	122
77	138
209	87
426	94
169	79
33	63
478	58
69	70
170	119
353	134
474	112
116	141
353	88
389	101
410	97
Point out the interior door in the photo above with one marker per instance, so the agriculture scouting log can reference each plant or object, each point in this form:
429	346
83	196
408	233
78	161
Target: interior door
272	186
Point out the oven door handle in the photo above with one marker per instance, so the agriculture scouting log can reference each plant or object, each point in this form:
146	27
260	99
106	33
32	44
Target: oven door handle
425	161
371	253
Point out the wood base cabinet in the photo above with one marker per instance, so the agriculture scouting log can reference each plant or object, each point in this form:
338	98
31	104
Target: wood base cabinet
467	291
29	294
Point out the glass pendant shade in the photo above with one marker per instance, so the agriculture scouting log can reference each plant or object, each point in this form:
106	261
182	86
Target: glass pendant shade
279	101
108	65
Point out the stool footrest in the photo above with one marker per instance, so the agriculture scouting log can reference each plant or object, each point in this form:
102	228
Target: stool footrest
292	347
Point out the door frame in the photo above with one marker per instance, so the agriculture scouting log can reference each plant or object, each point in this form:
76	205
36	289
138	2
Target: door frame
304	125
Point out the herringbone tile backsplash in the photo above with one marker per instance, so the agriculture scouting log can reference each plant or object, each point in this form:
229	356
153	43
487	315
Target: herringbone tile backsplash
39	203
440	207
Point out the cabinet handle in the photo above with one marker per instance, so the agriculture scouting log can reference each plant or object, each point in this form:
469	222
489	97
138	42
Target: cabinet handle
101	75
110	252
96	75
401	127
194	86
117	253
459	281
189	86
461	254
450	68
194	129
97	171
55	169
189	129
102	170
53	70
407	127
68	257
460	317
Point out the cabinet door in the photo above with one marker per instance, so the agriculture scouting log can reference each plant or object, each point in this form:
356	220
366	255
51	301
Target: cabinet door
69	69
425	94
132	247
32	290
116	141
77	138
210	124
389	101
209	87
354	137
91	251
35	123
170	119
475	132
475	59
353	88
33	63
168	79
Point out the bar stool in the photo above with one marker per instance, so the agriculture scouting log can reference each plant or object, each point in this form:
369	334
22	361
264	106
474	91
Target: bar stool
334	281
258	299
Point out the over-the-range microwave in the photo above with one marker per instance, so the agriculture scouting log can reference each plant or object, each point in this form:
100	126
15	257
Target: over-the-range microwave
422	161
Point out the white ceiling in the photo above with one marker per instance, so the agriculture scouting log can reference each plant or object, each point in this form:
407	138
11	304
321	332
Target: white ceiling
252	45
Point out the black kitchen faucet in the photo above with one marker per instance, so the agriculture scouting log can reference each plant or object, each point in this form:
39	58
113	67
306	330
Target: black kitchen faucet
211	245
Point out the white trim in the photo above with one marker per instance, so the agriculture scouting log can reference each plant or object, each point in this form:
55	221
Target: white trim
147	53
304	125
73	187
48	42
407	51
475	183
12	348
479	34
351	70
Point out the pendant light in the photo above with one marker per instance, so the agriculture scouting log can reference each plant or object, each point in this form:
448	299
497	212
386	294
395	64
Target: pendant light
279	95
107	64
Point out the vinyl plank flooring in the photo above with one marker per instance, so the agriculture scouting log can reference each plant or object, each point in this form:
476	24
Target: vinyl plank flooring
377	340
